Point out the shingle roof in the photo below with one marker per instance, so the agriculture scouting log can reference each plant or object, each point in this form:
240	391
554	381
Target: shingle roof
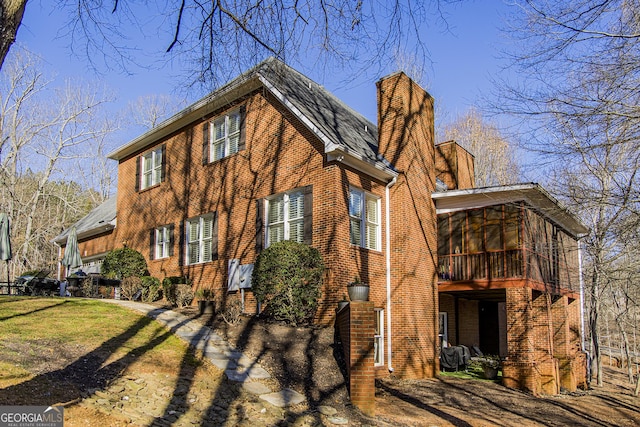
340	124
339	127
99	220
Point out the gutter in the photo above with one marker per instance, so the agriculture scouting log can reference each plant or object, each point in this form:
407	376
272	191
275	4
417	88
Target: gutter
388	269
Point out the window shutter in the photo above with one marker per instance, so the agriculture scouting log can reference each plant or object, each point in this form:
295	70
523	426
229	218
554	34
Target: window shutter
242	144
163	167
138	160
152	244
181	248
308	214
171	240
205	143
259	225
214	237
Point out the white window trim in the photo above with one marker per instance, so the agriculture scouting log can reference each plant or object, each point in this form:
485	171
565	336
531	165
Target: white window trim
378	339
443	329
226	143
163	240
363	219
286	197
202	242
155	171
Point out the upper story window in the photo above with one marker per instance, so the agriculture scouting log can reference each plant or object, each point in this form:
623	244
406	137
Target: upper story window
150	168
364	215
285	217
224	136
201	239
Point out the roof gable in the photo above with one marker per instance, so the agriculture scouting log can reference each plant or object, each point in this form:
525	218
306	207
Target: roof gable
344	132
99	220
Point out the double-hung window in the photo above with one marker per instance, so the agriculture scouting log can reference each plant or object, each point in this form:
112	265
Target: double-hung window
364	216
200	239
285	217
225	140
151	167
163	242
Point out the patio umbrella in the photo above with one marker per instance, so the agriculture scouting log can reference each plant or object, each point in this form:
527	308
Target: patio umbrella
71	256
5	245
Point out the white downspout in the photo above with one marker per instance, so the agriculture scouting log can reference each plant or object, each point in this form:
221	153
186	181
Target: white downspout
582	327
388	268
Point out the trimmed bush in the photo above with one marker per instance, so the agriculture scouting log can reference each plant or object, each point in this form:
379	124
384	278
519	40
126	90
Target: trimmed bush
129	287
286	279
150	288
122	263
184	295
169	288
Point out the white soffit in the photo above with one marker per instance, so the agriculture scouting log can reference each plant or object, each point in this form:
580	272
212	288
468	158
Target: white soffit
531	193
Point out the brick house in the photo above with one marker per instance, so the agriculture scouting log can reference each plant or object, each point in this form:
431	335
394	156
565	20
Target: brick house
272	156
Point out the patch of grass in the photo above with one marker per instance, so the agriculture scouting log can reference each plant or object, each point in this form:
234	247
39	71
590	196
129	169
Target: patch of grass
68	336
474	372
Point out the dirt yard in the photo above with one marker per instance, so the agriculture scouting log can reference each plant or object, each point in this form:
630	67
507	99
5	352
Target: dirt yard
100	391
305	359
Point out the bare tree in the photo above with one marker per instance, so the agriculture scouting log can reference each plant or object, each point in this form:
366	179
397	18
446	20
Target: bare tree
581	72
495	157
11	12
219	39
43	131
149	111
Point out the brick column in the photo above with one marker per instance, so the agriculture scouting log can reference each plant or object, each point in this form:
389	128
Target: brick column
561	341
358	320
530	364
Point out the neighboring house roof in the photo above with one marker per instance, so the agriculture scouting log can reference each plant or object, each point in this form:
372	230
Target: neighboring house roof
347	135
99	220
532	193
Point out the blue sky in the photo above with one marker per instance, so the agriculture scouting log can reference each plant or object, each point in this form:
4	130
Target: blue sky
464	58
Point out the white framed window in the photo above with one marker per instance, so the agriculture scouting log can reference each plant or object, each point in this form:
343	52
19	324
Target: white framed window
200	239
151	167
225	138
443	329
378	338
285	217
163	242
364	215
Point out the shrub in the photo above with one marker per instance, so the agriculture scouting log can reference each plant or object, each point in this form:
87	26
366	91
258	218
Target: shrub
169	287
124	262
232	312
150	288
129	287
184	295
286	279
89	290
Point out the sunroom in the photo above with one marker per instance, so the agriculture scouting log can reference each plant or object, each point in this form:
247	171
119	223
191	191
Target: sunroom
493	241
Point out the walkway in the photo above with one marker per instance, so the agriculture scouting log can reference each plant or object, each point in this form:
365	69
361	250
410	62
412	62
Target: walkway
237	367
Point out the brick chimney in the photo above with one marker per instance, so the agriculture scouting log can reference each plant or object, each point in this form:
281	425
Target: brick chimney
405	121
405	139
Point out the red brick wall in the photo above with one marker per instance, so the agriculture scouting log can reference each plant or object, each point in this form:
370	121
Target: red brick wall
454	165
405	128
280	155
